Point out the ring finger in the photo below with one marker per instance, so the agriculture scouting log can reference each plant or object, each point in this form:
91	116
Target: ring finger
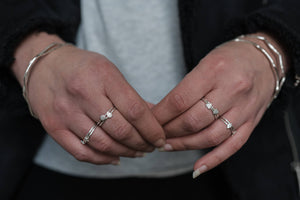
213	135
117	127
99	140
199	116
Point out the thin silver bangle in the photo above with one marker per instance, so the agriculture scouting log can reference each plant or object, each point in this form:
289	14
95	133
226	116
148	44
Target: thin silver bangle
273	49
52	47
273	65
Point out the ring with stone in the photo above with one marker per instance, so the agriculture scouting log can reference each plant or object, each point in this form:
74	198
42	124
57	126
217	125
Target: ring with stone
106	116
101	121
228	125
210	107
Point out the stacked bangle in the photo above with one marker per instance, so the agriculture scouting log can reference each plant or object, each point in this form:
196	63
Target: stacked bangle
52	47
279	74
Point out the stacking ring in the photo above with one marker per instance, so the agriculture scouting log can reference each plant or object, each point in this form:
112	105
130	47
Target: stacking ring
103	118
209	106
106	116
228	125
86	138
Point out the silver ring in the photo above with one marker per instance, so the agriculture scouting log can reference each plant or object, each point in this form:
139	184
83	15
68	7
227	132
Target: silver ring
106	116
86	138
228	125
210	107
103	118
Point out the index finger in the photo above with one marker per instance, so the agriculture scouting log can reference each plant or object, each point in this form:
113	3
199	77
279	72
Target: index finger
136	111
187	93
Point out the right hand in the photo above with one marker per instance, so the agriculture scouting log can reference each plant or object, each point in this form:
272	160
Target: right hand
70	88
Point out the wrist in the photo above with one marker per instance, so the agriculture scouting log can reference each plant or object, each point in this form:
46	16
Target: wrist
274	53
275	43
28	48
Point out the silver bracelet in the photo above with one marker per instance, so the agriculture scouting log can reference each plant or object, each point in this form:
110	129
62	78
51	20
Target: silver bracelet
52	47
273	49
270	59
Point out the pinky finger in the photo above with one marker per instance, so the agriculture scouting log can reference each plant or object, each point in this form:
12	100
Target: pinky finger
223	151
83	153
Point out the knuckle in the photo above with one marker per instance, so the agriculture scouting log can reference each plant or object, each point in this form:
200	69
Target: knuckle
177	102
243	84
218	63
75	86
213	139
61	105
122	132
99	66
49	124
136	110
81	155
104	146
191	123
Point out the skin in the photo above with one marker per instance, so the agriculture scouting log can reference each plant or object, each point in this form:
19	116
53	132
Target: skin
237	79
70	88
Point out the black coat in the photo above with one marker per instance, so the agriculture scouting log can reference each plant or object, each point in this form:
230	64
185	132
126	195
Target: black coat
260	170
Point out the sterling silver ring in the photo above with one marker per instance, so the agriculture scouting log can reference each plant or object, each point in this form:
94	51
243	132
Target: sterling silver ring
228	125
106	116
210	107
101	121
86	138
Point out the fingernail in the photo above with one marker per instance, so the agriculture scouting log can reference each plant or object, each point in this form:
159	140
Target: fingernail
199	171
166	147
139	154
116	162
159	143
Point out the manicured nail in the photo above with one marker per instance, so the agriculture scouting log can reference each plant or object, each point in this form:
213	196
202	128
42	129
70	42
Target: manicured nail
139	154
166	147
199	171
160	143
116	162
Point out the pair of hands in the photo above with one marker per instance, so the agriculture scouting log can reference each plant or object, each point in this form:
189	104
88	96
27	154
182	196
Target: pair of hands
70	88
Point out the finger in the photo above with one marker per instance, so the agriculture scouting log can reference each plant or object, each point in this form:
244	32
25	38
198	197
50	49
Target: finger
199	116
136	111
150	105
183	96
224	151
211	136
83	153
99	140
117	127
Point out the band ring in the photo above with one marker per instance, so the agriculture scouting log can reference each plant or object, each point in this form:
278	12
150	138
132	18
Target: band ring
101	121
86	138
228	125
210	107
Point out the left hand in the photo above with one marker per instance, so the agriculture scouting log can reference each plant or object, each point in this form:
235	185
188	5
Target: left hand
237	79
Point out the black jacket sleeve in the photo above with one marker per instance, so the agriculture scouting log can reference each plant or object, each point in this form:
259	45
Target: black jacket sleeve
206	24
21	134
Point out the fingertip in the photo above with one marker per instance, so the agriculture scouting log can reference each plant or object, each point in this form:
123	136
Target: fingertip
116	162
166	147
160	143
202	169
